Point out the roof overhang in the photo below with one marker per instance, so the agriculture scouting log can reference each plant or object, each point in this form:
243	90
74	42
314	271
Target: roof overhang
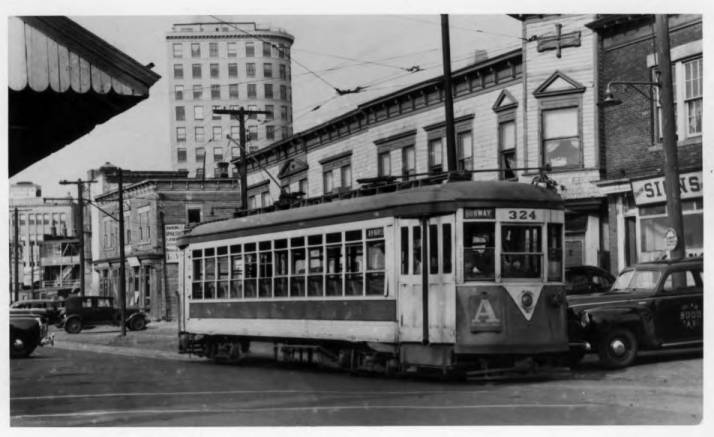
63	81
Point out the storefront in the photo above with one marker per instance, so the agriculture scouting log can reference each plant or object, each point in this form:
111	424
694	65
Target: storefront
638	210
652	220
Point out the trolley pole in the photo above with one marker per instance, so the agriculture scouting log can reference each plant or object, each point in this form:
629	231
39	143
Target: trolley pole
448	97
669	141
122	256
80	224
241	113
16	249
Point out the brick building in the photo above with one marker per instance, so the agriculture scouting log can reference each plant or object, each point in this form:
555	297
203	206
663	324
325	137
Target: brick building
173	202
631	134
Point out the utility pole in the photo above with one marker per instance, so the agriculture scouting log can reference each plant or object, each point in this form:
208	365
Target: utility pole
448	97
165	276
669	140
80	200
17	257
122	256
241	113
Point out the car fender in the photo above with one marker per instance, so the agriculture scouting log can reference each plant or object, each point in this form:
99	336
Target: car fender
135	315
638	320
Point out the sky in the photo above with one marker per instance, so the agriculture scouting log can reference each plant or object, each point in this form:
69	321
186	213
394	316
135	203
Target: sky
345	51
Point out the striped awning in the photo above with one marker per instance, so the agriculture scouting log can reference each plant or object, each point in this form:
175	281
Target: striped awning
63	80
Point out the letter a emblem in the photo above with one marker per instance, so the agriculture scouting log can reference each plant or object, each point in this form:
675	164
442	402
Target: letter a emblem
485	313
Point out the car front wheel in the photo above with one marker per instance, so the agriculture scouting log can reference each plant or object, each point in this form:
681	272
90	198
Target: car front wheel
73	326
617	348
19	347
137	324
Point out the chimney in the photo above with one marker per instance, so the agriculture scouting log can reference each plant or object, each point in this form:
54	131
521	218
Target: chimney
480	55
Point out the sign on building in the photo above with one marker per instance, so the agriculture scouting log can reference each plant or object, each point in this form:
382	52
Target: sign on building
172	233
653	190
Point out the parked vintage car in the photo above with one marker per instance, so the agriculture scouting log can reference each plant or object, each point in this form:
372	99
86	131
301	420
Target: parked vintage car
82	312
654	305
587	280
27	331
51	308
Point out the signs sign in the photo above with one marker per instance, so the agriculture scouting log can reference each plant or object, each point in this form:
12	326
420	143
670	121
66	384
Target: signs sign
653	190
172	233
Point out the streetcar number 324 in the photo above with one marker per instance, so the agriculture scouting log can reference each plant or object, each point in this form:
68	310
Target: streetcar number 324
521	214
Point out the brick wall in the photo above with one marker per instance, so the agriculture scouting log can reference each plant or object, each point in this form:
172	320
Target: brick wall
627	129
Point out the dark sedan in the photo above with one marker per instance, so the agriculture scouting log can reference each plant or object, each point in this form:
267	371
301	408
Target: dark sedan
587	280
655	305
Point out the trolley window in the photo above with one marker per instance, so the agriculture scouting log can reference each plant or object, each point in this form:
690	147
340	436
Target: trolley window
265	269
222	274
209	266
333	265
555	252
479	251
354	282
521	255
251	271
314	280
375	261
280	282
297	257
236	273
197	286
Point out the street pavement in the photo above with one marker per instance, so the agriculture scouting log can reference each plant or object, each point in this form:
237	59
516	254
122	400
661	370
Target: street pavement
97	378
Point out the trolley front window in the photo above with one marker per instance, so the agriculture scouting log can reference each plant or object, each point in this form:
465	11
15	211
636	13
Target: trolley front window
521	255
479	250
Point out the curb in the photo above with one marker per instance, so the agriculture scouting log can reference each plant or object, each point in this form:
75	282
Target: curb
125	351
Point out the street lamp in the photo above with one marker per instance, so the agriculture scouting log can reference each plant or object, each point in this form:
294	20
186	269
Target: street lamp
611	100
669	144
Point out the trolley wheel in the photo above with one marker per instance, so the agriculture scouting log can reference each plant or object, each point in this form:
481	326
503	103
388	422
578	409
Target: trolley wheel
617	348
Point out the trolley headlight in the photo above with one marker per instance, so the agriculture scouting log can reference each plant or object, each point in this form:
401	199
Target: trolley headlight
527	299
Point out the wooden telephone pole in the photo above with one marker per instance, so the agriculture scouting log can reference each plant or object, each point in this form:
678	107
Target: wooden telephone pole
243	170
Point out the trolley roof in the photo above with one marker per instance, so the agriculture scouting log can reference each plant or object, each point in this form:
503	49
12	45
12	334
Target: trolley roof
429	200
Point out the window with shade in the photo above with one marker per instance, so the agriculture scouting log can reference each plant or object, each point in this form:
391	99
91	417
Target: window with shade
507	149
560	128
464	151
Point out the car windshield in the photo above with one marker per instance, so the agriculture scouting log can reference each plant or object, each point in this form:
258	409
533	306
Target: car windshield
636	280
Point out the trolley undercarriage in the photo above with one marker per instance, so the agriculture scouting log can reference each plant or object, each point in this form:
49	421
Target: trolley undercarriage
381	358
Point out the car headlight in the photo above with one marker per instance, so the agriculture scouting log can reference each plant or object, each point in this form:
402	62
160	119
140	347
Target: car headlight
584	319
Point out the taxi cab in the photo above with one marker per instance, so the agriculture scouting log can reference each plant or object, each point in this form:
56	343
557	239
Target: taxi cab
654	305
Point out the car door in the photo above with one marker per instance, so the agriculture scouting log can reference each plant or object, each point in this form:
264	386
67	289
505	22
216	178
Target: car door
678	308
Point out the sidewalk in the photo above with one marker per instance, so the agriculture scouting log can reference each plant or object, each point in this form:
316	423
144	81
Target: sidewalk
158	340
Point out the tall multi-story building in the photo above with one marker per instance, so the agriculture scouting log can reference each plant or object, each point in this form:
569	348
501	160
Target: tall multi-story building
225	65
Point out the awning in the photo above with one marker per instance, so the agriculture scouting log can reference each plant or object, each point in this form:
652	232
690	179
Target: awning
63	80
